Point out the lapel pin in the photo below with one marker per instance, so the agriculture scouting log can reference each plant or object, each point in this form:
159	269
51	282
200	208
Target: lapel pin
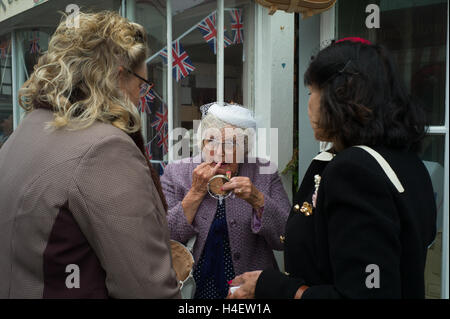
306	209
317	179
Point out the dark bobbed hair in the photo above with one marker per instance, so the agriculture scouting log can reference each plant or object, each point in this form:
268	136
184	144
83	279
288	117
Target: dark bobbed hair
363	100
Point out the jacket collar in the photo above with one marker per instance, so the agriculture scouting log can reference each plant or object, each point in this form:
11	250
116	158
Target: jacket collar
324	157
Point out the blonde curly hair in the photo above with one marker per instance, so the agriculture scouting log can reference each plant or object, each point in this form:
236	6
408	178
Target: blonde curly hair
78	75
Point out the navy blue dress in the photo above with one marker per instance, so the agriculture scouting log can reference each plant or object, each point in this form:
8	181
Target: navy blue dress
215	267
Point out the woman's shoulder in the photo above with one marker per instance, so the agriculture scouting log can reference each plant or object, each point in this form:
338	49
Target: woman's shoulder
369	157
378	165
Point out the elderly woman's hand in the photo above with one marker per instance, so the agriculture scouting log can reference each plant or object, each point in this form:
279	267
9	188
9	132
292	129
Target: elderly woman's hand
247	284
201	175
243	188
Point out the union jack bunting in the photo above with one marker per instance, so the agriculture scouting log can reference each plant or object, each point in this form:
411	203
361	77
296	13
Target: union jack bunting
162	167
34	46
161	121
148	150
237	26
146	99
4	49
163	140
208	29
182	64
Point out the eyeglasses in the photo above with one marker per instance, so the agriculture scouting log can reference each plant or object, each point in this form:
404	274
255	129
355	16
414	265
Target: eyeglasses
145	87
212	144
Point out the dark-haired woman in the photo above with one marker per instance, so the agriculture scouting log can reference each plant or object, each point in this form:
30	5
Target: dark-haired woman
365	212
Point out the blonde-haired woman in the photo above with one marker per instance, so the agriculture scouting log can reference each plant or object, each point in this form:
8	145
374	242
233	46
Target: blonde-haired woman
82	214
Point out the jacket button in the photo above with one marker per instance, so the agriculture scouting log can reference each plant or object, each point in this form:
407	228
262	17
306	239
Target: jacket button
233	222
297	207
237	256
282	238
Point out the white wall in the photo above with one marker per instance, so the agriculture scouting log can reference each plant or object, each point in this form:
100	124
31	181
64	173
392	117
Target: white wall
274	87
274	82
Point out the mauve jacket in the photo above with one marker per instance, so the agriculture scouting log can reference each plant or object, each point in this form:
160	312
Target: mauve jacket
251	249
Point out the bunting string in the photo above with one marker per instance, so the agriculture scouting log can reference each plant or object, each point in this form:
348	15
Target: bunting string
232	11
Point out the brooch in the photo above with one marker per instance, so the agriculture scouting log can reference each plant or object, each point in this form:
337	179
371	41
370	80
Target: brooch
317	179
306	209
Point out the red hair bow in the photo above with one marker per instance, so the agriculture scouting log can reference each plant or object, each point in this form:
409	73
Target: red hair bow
355	39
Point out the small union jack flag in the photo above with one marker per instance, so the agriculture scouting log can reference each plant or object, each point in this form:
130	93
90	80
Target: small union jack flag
163	140
4	49
162	167
237	26
34	46
148	151
208	29
182	64
146	100
161	121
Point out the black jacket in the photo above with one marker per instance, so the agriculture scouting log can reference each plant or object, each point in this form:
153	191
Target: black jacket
360	219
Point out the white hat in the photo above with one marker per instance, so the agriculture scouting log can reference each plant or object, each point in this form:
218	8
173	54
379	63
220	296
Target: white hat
233	114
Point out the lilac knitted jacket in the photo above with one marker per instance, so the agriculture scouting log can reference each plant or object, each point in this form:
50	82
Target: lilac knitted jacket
251	247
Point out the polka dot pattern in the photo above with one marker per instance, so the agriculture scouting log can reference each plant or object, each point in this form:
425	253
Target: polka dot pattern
209	289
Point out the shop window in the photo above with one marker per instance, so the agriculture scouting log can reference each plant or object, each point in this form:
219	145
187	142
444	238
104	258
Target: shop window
236	18
415	32
6	103
152	16
191	28
41	22
30	46
433	159
195	81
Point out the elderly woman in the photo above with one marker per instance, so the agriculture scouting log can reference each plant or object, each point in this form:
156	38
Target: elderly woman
236	234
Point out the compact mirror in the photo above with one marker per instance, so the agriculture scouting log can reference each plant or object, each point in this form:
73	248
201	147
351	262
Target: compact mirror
214	185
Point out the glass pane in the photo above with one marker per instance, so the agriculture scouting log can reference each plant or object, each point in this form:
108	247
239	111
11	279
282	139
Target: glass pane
194	30
235	25
6	106
41	22
30	44
416	32
433	158
152	15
